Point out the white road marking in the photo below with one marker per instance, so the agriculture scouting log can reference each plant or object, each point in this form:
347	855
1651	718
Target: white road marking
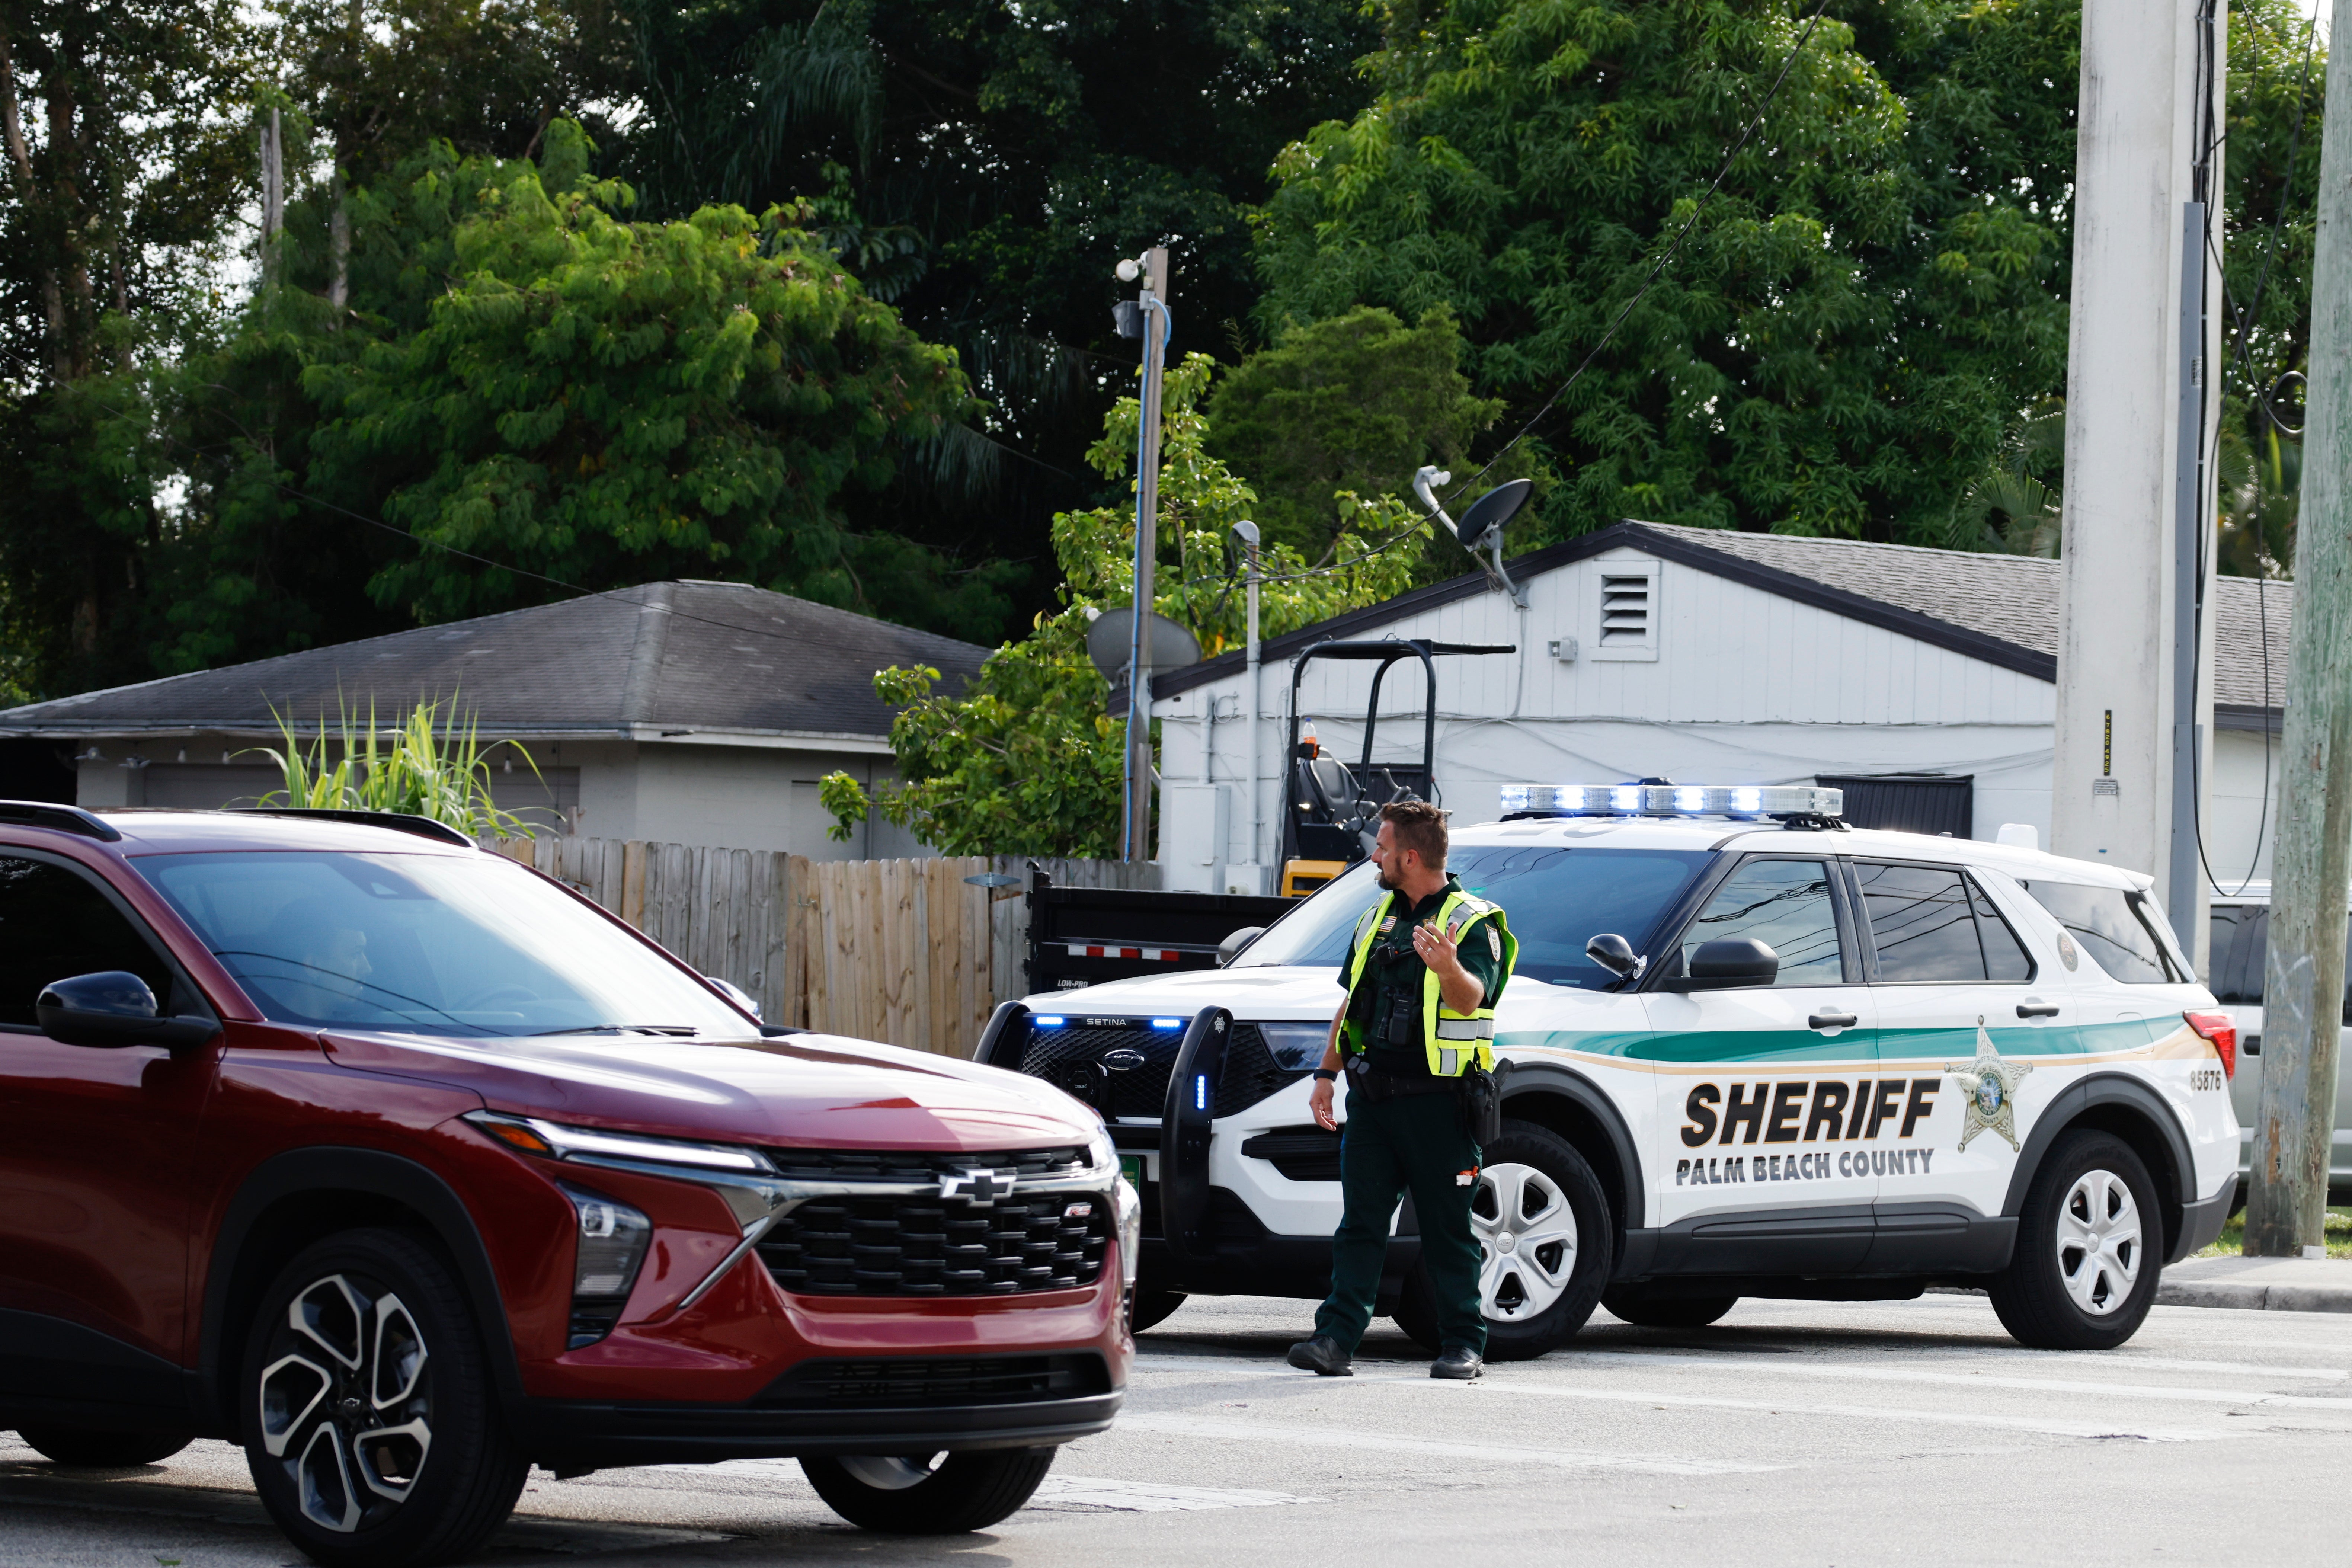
1846	1371
1057	1492
1557	1388
2168	1363
1485	1453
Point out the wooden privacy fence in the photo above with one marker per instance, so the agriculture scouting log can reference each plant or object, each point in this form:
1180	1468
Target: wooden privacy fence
906	951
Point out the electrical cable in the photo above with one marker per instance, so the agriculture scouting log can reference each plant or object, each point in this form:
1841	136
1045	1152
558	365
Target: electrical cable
2244	322
1660	264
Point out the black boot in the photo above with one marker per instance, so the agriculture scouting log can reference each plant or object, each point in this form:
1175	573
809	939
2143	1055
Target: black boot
1322	1356
1459	1361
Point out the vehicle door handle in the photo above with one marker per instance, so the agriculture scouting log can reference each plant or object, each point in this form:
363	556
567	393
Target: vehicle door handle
1832	1021
2037	1009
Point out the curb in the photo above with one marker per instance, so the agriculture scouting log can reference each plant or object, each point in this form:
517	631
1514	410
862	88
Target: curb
2255	1298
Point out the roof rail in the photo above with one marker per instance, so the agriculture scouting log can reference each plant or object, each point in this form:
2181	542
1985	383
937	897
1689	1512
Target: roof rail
398	820
60	818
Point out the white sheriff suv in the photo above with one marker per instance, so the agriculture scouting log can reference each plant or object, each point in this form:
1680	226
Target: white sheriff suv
1752	1052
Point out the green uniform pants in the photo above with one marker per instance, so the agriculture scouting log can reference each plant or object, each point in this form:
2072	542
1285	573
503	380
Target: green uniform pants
1412	1143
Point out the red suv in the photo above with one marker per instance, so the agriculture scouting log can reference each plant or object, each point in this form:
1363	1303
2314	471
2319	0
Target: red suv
407	1168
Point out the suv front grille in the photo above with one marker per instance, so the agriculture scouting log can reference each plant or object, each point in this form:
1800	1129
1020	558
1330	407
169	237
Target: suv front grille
886	1246
919	1381
1062	1058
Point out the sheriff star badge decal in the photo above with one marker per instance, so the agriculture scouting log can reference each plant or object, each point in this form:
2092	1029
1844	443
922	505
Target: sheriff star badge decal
1992	1082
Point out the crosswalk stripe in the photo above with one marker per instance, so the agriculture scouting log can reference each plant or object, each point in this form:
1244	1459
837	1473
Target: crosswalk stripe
1359	1439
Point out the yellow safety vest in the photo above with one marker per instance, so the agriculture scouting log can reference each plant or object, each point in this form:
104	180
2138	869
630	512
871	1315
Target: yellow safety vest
1449	1035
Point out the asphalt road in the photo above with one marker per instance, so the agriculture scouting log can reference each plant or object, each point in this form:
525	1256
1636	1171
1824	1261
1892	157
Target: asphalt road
1791	1433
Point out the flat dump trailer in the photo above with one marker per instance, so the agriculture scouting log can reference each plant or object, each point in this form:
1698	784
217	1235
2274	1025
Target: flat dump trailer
1084	936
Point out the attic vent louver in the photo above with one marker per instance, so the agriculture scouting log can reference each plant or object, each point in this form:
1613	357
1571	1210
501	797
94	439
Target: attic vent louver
1629	611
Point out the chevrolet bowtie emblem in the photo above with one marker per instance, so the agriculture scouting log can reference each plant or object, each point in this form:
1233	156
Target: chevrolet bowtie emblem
980	1186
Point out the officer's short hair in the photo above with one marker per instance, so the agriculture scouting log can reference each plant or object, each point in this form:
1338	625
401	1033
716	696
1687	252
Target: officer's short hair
1419	828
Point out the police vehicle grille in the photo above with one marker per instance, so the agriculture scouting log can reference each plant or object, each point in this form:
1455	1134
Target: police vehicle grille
885	1246
1251	1072
921	1165
886	1383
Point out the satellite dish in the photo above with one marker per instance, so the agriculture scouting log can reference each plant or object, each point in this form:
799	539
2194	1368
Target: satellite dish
1484	521
1169	646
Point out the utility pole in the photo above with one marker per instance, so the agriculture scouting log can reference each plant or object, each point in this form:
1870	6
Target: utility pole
1152	301
2286	1204
2135	698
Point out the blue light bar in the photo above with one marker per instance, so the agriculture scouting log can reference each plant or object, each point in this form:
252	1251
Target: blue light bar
1200	1093
1675	800
1167	1023
1044	1022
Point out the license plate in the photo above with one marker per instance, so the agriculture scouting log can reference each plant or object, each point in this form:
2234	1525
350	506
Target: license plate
1131	1167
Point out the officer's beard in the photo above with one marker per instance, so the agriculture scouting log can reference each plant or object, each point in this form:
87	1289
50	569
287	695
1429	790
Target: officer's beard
1381	878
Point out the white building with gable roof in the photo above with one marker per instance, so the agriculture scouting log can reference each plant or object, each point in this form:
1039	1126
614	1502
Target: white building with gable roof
1697	654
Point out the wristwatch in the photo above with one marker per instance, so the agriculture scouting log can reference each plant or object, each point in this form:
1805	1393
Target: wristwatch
1327	1075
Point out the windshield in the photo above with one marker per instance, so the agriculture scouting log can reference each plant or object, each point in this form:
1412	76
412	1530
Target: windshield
436	944
1556	899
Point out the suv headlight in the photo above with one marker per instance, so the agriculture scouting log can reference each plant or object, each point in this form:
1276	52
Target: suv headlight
1102	1152
611	1249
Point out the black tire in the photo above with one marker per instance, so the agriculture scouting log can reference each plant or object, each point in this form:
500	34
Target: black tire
961	1491
1557	1162
1152	1308
1666	1311
103	1450
390	1342
2086	1180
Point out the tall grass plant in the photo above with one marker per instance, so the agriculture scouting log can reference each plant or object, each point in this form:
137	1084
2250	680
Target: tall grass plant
434	765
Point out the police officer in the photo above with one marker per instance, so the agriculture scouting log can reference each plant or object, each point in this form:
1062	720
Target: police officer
1427	966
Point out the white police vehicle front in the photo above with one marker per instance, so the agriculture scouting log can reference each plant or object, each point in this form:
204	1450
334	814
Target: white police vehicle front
1842	1065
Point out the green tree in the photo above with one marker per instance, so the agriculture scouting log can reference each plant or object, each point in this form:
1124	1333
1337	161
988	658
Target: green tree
1356	403
125	150
1028	761
999	159
1823	355
601	402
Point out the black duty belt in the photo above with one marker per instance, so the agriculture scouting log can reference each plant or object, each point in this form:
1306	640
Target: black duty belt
1376	1086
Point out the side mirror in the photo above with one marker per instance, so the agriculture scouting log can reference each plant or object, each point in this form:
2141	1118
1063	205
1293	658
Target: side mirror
113	1007
1728	964
1615	955
1231	948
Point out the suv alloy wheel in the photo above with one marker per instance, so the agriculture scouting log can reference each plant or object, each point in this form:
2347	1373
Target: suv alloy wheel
2089	1244
369	1424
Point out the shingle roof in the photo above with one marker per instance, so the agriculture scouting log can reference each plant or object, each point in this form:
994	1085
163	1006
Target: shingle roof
2013	597
709	658
2001	609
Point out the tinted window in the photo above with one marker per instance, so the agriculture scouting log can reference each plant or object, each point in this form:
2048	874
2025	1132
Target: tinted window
2251	944
2114	928
1555	898
2006	960
2234	937
442	944
54	925
1785	905
1920	924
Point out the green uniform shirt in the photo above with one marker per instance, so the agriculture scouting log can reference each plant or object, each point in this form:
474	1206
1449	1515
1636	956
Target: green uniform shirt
1394	968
